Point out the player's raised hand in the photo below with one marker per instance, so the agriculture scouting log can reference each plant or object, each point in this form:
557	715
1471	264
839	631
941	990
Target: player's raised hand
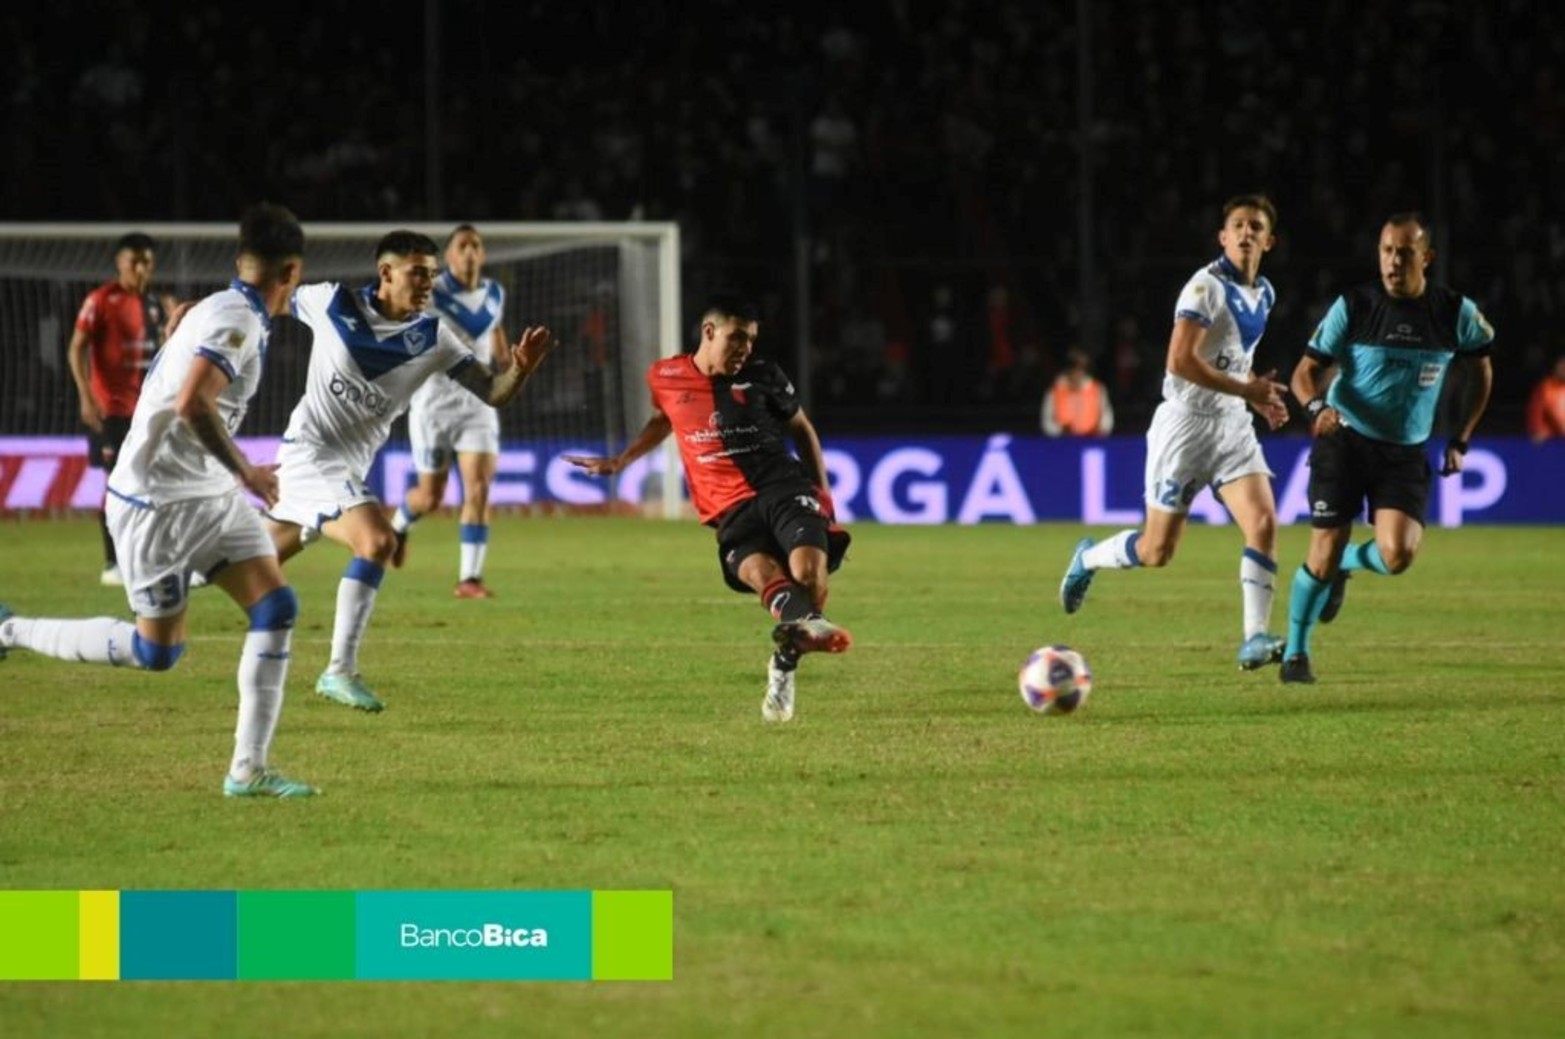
532	348
594	464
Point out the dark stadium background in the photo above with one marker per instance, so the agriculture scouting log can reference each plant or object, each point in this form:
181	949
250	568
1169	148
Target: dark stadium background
932	202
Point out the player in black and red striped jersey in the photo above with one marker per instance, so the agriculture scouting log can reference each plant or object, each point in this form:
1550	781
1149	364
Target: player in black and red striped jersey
118	330
733	414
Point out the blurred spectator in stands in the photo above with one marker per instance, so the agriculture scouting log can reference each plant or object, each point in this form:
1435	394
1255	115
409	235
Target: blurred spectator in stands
834	142
1546	406
943	345
1077	405
1000	356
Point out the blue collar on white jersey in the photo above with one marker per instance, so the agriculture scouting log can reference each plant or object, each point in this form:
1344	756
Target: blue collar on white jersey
1232	273
252	296
448	302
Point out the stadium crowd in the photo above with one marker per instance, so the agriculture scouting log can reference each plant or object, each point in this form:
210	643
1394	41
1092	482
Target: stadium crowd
930	156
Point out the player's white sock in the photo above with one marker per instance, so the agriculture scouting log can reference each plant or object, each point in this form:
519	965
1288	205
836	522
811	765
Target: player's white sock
402	519
355	602
1257	584
263	672
475	545
1115	553
95	640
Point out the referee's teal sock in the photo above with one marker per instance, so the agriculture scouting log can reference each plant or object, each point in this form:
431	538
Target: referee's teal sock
1364	557
1305	600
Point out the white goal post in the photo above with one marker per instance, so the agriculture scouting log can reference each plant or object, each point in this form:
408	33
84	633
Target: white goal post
609	291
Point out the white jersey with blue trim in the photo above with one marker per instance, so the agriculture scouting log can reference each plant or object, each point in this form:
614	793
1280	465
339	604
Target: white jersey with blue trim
473	314
364	370
162	459
1234	315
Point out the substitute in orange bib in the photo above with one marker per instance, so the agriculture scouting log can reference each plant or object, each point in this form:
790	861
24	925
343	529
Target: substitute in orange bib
1076	404
1546	406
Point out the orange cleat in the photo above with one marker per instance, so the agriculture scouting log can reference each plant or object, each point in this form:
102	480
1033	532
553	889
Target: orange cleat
472	588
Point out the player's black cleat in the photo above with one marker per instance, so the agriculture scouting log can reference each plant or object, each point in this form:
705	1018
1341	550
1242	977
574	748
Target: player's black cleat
1297	669
1339	591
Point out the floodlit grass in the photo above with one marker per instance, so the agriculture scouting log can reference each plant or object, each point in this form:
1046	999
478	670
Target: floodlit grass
1197	852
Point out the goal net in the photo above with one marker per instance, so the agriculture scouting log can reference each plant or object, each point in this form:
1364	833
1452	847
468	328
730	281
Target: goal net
609	292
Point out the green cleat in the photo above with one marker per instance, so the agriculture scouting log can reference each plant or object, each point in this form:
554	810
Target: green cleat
349	691
1073	588
267	784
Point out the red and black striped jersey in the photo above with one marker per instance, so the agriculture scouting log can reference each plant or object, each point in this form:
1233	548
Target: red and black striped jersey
732	430
123	331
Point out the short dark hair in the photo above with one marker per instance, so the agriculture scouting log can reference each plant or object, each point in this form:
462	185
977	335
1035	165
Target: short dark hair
270	233
137	240
1257	200
406	243
1412	216
731	305
458	229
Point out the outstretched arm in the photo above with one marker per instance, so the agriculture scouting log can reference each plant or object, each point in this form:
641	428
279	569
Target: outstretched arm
498	389
652	434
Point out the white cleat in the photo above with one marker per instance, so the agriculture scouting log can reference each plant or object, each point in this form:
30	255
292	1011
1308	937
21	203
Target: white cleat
110	578
778	705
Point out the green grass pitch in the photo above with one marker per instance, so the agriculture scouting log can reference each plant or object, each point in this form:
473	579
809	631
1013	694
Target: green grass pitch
1197	852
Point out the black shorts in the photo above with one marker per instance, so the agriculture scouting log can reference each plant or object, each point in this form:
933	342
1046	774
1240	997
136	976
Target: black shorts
103	448
774	523
1348	468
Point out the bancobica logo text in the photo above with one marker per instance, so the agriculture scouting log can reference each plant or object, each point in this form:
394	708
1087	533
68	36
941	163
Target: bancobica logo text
487	936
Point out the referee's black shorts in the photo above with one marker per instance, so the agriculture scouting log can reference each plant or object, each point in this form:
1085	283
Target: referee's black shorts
1347	469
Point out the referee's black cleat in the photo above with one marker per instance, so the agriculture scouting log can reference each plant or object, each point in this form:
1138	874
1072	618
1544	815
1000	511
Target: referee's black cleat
1339	591
1297	669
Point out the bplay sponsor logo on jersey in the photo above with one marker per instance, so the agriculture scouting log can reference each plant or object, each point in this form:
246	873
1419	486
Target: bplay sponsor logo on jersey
354	392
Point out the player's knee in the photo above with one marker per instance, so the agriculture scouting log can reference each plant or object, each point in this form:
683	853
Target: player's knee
1397	558
275	611
154	656
379	546
1263	530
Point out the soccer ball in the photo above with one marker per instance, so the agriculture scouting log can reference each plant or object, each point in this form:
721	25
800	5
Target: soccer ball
1055	680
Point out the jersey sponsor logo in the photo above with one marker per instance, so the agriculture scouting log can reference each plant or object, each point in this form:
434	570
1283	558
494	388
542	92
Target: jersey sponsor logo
673	369
367	397
1404	333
